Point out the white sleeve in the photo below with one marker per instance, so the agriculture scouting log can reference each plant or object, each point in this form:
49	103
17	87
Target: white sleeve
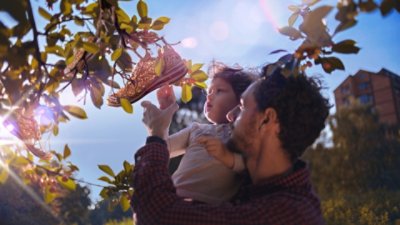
178	142
238	165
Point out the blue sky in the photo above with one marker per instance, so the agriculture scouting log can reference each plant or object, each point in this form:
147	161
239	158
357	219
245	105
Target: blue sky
231	31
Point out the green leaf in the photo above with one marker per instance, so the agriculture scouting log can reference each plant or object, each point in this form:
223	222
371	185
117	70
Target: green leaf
186	93
75	111
125	202
142	9
107	170
116	54
159	67
126	105
159	23
67	152
90	47
106	179
112	84
68	184
346	46
199	76
44	13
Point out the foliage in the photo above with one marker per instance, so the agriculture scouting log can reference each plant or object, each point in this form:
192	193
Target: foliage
103	213
318	44
122	222
82	45
357	178
21	204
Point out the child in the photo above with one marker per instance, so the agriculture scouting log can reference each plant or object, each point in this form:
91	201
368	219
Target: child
200	176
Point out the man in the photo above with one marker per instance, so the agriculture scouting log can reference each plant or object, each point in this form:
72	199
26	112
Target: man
279	118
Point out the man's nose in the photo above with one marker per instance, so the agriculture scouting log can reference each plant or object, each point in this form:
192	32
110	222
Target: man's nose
233	114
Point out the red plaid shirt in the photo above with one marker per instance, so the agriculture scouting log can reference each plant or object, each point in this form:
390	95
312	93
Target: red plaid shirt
285	200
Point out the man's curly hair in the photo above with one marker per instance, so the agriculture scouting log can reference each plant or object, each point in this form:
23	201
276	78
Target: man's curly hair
300	107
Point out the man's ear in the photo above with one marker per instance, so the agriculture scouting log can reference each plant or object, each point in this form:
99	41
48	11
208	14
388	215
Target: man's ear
270	115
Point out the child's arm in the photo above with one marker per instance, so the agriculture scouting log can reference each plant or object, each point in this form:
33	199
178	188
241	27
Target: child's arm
218	150
178	142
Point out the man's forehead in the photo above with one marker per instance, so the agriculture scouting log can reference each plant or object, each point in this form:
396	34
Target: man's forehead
249	92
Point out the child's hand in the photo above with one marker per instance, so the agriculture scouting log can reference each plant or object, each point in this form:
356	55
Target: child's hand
217	149
165	96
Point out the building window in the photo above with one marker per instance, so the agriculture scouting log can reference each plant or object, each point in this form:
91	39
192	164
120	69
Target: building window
363	86
363	76
345	89
345	102
365	99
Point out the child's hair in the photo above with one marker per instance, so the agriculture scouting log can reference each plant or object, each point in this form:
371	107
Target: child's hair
237	77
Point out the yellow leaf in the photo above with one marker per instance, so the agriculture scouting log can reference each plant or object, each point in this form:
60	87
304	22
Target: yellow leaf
44	13
20	161
142	9
196	66
122	16
126	105
124	202
75	111
3	174
199	76
105	179
201	85
67	152
90	47
55	130
68	184
188	64
128	28
107	170
159	67
49	196
116	54
186	93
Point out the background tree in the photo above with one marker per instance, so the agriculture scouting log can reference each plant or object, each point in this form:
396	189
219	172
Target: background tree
358	177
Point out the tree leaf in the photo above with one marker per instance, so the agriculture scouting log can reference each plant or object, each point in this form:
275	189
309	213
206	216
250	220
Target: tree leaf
66	7
386	6
277	51
159	67
292	19
124	202
96	96
112	84
68	184
127	166
44	13
128	28
67	152
90	47
75	111
48	195
201	85
107	170
126	105
116	54
345	25
142	9
3	174
106	179
293	33
199	76
186	93
159	23
122	16
346	46
196	67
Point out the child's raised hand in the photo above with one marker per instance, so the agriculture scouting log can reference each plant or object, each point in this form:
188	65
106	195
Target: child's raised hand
165	96
216	148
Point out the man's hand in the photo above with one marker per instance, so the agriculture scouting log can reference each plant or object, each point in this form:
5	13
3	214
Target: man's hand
217	149
157	121
165	96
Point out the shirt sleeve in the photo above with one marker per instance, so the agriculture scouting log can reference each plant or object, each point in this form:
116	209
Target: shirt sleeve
178	142
238	165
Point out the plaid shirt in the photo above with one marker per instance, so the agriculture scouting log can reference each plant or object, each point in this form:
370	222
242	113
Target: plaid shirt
286	200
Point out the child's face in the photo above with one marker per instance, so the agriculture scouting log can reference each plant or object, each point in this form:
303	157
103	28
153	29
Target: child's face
220	100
